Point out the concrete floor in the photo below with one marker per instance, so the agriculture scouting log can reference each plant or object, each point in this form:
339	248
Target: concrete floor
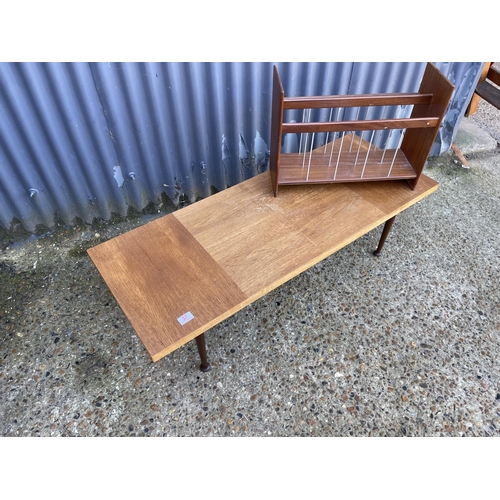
402	345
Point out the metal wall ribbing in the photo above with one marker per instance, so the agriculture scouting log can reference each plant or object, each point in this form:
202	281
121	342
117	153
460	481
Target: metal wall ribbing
86	140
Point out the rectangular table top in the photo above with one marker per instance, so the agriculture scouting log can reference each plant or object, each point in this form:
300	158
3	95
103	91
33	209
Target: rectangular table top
183	273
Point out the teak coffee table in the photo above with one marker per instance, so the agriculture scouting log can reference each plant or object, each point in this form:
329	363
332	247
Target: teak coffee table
181	274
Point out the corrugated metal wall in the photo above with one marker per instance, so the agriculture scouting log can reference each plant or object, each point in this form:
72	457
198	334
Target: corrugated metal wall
86	140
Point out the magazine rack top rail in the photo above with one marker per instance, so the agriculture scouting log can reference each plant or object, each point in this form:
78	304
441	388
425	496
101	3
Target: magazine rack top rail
394	147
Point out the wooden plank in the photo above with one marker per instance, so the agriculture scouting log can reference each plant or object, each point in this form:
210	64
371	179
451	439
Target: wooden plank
417	143
159	272
377	167
493	75
472	107
360	125
489	93
344	101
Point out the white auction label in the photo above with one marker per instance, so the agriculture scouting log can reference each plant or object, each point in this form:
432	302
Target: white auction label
185	318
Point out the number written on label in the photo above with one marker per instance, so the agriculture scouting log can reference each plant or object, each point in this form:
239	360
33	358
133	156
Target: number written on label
185	318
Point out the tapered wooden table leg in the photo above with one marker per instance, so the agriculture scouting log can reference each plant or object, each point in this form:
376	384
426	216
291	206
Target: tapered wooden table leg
202	349
385	232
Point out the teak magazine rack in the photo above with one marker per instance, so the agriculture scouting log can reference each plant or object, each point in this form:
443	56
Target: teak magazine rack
357	150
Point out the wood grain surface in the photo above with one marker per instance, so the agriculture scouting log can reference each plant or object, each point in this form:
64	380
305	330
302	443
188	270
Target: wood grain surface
220	254
261	240
360	125
354	100
344	167
159	272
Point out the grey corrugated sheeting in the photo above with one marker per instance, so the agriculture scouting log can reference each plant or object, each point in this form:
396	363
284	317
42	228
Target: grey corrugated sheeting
86	140
54	143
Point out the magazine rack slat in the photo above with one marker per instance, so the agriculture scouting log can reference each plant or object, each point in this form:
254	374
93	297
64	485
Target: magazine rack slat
353	155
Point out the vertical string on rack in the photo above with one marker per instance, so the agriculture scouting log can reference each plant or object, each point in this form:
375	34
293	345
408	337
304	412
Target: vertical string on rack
307	137
378	133
396	151
361	136
367	153
328	133
302	134
310	157
333	140
389	136
338	157
354	134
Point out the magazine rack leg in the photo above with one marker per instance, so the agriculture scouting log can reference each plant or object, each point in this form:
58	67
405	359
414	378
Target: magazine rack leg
202	349
385	232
